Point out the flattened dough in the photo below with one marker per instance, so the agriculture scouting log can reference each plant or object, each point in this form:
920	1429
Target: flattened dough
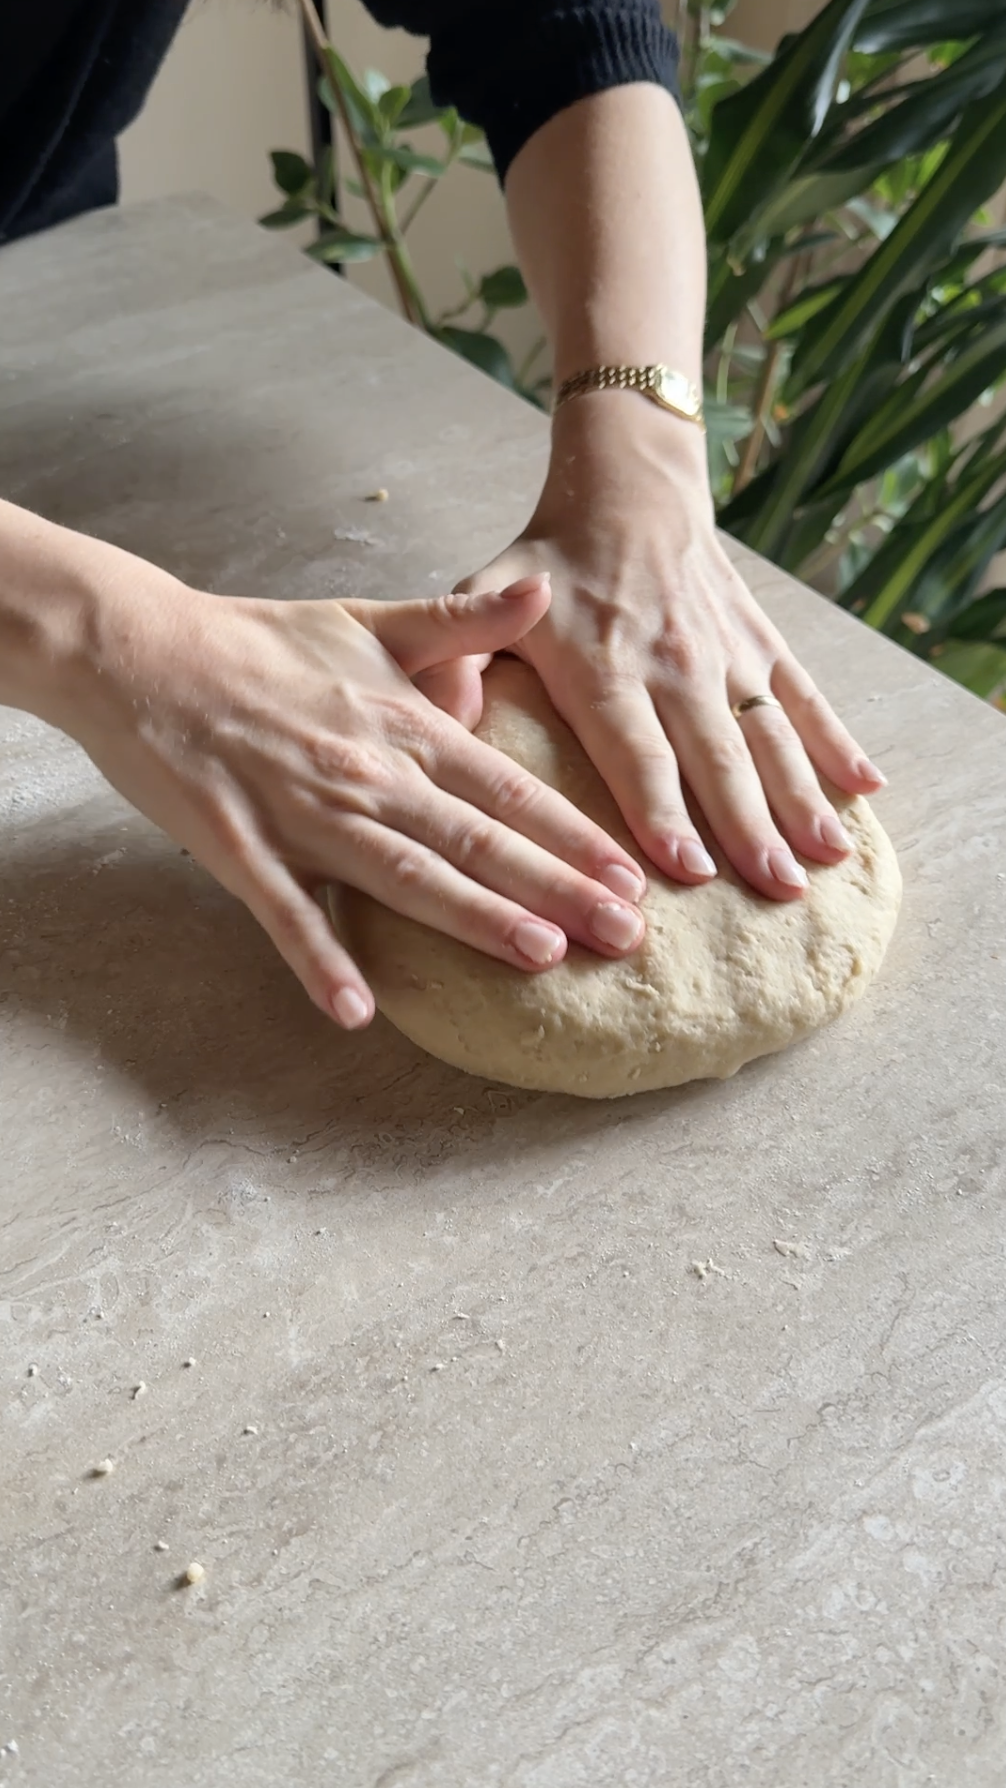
722	976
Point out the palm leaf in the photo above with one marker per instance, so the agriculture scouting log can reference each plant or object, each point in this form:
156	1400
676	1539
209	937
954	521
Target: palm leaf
909	24
910	415
972	171
820	436
926	111
883	589
759	134
952	577
982	669
984	619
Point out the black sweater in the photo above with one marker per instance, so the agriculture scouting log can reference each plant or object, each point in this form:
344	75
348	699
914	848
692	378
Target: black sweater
74	73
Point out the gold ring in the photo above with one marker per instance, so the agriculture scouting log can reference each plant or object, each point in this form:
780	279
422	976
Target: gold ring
754	701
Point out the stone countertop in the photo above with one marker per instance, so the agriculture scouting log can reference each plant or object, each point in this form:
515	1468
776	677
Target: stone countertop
528	1443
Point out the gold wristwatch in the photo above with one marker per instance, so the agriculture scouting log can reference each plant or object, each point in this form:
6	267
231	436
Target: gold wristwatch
671	390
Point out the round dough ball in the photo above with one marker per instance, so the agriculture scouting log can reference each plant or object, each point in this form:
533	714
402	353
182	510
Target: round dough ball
722	976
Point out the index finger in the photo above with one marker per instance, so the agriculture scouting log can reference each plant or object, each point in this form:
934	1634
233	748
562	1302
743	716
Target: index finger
486	778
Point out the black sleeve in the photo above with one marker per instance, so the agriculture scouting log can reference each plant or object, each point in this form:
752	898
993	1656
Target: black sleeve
510	65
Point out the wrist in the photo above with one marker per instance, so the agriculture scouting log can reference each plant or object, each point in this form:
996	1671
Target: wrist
613	440
45	596
67	613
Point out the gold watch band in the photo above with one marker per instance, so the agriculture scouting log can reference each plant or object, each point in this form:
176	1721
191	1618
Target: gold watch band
661	384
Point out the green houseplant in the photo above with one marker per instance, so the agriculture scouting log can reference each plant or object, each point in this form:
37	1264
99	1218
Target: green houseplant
857	296
395	179
857	309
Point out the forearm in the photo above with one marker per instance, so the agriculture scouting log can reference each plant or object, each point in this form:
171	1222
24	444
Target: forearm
606	218
607	222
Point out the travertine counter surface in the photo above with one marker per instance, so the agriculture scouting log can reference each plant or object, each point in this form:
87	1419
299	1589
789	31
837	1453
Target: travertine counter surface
526	1443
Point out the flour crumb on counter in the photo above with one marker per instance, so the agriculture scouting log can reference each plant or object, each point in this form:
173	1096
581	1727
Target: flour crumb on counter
704	1268
193	1574
103	1469
160	1545
377	496
139	1390
355	536
789	1250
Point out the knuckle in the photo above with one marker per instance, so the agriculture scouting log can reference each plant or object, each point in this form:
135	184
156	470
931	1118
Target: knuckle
473	843
812	704
413	727
727	752
652	756
406	866
353	773
342	760
775	724
450	607
613	684
680	655
514	794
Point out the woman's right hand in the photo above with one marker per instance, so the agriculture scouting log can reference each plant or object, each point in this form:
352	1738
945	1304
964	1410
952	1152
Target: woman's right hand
285	746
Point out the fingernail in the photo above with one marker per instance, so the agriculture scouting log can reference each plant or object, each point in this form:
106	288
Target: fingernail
623	882
785	868
525	585
834	834
616	925
350	1009
865	768
694	857
537	942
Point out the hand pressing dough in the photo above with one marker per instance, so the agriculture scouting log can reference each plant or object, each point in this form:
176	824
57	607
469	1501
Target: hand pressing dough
722	976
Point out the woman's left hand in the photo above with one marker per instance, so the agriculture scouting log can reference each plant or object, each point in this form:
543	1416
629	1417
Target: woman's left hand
651	639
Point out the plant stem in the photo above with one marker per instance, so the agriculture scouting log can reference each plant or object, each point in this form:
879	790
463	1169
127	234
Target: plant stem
414	209
723	369
457	310
399	253
799	267
762	403
693	26
526	364
407	298
433	180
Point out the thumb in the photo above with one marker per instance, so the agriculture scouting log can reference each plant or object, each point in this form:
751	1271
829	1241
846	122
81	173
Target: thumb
456	688
421	634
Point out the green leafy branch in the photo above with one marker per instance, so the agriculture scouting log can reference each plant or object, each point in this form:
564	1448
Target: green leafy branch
395	180
857	312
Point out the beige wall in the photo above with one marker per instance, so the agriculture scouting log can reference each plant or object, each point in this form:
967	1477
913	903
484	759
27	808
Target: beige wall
232	88
763	22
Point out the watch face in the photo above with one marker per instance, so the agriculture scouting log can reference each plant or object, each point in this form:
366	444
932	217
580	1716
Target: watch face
675	389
